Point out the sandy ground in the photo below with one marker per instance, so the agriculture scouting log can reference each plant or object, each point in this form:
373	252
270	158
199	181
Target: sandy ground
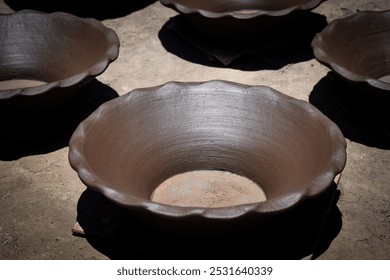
40	193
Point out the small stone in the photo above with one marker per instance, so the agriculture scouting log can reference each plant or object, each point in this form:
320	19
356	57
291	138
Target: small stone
77	230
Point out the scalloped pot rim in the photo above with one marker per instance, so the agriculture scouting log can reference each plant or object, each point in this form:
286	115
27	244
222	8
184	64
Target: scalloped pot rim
99	67
86	174
248	14
327	59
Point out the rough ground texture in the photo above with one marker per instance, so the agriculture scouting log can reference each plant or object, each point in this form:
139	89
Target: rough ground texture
39	192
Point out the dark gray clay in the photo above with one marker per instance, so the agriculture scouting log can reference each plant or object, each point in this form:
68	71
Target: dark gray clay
239	19
131	144
357	49
45	58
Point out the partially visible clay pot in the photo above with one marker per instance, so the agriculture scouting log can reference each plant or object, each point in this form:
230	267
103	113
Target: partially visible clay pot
45	58
357	49
131	144
240	19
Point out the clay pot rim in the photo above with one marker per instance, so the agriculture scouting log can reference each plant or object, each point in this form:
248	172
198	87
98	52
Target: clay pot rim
280	204
309	5
98	68
326	58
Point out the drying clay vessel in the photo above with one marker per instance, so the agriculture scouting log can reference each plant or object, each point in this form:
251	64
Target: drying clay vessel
357	49
130	145
45	58
239	20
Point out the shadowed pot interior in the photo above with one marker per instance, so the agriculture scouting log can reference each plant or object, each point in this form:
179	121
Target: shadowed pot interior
132	144
239	19
44	58
357	48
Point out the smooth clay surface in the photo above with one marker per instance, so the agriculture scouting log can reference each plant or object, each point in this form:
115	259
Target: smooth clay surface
40	192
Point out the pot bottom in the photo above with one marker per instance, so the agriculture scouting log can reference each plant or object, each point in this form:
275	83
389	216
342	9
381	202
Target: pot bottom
208	188
385	78
19	83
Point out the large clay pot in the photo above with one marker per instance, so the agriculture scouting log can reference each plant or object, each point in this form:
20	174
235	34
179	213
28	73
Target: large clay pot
130	145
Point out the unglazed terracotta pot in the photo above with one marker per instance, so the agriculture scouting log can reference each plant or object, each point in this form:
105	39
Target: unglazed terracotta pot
357	49
240	19
45	58
130	145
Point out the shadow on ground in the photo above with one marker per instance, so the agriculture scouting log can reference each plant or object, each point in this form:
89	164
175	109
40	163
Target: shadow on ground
49	132
85	8
271	50
365	121
305	230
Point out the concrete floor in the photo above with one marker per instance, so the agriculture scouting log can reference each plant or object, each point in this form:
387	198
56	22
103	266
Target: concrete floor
40	193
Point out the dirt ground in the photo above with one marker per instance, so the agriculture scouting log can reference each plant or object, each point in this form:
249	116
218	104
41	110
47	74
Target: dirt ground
41	195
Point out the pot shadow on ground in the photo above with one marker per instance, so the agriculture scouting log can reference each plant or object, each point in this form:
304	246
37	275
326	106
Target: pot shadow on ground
52	131
83	8
260	53
363	121
305	230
